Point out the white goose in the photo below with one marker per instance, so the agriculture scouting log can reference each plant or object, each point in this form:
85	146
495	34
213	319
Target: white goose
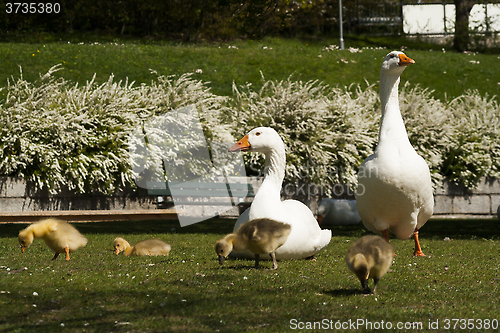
395	190
306	237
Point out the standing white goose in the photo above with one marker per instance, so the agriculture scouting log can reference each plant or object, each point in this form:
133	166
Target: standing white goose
395	190
306	237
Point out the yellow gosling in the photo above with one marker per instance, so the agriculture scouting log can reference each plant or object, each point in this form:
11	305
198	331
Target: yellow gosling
60	236
369	258
149	247
260	236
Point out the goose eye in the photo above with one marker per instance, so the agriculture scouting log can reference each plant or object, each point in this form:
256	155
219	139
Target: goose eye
392	55
257	134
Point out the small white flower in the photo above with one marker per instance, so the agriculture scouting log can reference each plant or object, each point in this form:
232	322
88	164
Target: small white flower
35	293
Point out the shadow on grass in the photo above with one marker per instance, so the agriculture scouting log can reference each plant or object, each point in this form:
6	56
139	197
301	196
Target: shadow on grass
211	226
435	228
343	292
438	228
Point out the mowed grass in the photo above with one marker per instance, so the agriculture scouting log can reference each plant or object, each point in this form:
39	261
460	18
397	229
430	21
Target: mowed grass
187	291
447	73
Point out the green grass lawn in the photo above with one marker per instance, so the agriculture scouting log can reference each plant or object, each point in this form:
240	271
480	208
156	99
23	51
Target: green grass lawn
99	292
242	62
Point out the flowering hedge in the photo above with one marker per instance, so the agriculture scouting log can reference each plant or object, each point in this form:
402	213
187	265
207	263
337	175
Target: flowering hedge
58	134
336	129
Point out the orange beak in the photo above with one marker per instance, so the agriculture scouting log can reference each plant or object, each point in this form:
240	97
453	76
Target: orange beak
404	60
23	248
117	251
242	145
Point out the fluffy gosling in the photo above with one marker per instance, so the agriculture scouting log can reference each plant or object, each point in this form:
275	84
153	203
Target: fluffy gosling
369	258
148	247
260	236
60	236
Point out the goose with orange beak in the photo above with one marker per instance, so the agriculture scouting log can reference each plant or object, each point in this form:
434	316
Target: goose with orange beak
306	238
394	183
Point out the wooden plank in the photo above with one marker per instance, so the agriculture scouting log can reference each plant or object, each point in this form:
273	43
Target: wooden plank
89	215
201	189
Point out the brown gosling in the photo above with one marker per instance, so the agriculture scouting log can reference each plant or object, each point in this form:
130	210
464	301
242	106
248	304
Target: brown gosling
60	236
369	258
260	236
148	247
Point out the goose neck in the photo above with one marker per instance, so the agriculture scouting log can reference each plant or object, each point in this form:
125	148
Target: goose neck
392	124
237	242
274	171
128	251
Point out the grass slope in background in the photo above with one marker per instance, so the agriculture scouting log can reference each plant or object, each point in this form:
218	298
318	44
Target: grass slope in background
98	291
222	64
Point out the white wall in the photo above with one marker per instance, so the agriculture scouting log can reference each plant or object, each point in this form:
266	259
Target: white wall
427	19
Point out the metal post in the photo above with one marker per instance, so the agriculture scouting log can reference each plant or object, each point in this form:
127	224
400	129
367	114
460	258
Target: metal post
341	41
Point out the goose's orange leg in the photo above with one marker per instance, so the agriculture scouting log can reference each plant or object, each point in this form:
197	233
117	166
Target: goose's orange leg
418	251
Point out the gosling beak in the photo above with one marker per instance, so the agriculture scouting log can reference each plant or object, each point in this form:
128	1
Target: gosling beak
404	60
221	260
117	251
242	145
23	248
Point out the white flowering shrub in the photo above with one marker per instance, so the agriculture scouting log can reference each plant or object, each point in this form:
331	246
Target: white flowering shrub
328	132
60	135
474	151
296	110
352	124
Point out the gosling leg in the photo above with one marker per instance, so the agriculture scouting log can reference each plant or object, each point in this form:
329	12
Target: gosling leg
66	249
375	282
55	256
364	285
273	256
257	257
